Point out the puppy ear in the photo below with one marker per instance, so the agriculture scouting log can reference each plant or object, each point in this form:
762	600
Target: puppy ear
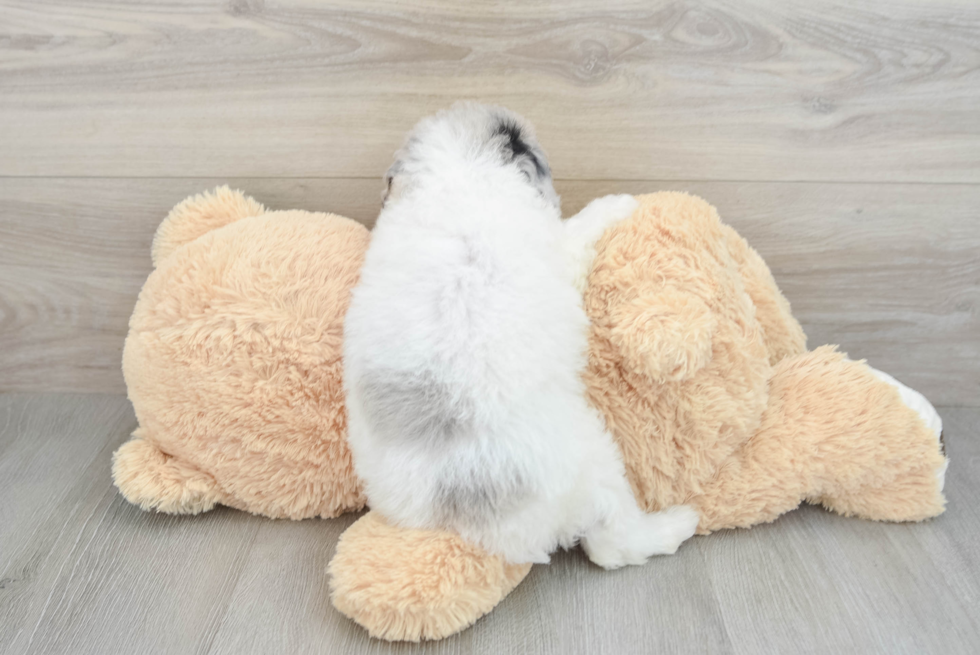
522	149
390	174
519	147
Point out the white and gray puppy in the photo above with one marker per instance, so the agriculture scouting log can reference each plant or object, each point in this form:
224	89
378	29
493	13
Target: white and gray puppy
463	349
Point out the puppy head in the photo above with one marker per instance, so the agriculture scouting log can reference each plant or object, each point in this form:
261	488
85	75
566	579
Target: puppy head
471	132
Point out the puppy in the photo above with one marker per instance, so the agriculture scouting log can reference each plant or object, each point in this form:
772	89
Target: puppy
463	347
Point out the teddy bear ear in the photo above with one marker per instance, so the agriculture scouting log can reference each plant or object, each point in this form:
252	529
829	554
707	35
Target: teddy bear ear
665	336
199	215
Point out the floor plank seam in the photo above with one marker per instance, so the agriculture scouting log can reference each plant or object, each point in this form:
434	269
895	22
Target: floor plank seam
564	180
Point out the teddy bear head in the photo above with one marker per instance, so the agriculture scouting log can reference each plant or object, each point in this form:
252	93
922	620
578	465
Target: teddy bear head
233	362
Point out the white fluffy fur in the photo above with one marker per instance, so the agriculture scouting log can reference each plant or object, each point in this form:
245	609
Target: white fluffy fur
463	348
584	230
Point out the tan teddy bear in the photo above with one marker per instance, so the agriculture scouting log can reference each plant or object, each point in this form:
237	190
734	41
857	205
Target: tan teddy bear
233	367
703	377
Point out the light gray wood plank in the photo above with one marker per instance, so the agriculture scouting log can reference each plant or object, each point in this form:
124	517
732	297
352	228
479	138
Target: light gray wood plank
563	608
761	90
33	445
819	583
890	272
284	581
83	572
955	547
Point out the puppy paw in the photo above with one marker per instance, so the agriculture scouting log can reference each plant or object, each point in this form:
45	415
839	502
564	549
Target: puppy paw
653	534
583	230
611	556
672	527
610	209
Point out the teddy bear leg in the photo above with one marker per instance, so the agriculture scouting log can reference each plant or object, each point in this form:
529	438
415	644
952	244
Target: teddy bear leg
915	493
148	477
757	484
912	495
930	417
836	434
408	585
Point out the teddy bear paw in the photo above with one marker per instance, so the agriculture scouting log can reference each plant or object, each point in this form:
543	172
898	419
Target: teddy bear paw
916	401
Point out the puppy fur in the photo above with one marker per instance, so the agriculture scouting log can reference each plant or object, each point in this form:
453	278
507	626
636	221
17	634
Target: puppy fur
464	346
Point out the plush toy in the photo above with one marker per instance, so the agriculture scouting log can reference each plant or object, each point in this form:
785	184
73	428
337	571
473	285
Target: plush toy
233	362
233	366
703	377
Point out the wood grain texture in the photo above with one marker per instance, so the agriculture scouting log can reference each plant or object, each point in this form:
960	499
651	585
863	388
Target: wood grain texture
83	572
890	272
841	139
760	90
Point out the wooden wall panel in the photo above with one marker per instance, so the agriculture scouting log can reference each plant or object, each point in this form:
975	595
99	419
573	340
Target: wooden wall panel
760	90
890	272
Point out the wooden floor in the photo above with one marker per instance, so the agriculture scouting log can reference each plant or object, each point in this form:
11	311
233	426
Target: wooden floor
842	139
82	571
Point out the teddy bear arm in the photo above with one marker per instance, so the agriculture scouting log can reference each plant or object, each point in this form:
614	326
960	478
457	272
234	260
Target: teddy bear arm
197	216
836	434
153	480
408	585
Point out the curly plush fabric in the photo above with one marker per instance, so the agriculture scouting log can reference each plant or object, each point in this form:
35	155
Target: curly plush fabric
233	362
